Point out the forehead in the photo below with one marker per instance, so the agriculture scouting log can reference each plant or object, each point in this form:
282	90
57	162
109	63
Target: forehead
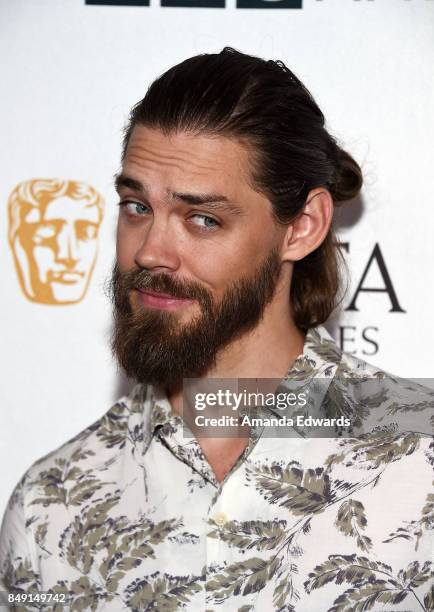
181	160
67	209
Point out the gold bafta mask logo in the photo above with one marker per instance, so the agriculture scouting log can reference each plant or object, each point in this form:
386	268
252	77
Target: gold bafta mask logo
53	234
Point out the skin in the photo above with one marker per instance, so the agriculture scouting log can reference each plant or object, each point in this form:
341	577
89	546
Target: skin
214	246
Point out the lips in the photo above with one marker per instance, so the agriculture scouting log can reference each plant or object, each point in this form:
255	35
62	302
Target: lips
159	294
162	301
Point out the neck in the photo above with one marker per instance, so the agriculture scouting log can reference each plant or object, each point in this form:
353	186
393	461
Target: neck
268	351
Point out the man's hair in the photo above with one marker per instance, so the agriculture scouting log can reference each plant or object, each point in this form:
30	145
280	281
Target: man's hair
263	105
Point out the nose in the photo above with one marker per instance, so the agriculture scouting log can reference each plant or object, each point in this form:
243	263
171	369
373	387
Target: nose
67	247
158	249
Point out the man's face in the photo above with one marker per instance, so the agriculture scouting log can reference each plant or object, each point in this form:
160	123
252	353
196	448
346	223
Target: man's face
192	228
60	246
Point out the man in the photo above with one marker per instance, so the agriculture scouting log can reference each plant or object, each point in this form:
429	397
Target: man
53	231
226	269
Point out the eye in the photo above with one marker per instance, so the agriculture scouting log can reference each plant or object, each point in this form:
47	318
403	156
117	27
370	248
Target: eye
207	223
134	209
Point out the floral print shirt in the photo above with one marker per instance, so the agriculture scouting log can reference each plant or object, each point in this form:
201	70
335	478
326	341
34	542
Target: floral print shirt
128	515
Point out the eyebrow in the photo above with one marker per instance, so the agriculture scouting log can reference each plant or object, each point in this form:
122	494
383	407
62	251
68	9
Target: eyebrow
210	200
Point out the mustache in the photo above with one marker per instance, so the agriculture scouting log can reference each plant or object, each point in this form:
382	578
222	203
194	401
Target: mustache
122	283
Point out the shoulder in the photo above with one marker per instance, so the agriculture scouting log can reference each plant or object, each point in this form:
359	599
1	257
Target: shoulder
55	491
81	460
77	475
384	399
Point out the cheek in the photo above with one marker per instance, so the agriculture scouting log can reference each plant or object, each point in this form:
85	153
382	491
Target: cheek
218	264
126	248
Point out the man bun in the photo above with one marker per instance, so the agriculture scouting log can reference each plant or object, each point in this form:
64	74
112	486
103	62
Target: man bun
349	179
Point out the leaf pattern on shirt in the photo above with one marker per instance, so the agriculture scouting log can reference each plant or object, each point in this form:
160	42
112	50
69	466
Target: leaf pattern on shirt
372	450
83	593
262	535
351	520
373	582
302	369
339	399
303	491
115	543
325	347
66	483
113	426
414	529
19	572
162	592
241	578
429	453
428	600
284	592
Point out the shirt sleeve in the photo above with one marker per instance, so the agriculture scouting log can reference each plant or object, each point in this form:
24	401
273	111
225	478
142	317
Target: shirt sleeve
18	563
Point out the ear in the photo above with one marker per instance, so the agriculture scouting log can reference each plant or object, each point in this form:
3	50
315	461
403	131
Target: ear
309	229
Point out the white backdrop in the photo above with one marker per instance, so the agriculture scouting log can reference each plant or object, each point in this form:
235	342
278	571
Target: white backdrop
69	75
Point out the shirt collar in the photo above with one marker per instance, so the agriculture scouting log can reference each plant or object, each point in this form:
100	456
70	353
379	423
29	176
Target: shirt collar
320	359
313	370
321	355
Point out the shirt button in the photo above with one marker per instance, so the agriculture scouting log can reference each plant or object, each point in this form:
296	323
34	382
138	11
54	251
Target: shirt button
220	519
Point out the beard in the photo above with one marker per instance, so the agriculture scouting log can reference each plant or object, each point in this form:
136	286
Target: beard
154	346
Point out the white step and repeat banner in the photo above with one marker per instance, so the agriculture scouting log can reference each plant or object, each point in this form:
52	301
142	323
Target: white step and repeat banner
70	72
